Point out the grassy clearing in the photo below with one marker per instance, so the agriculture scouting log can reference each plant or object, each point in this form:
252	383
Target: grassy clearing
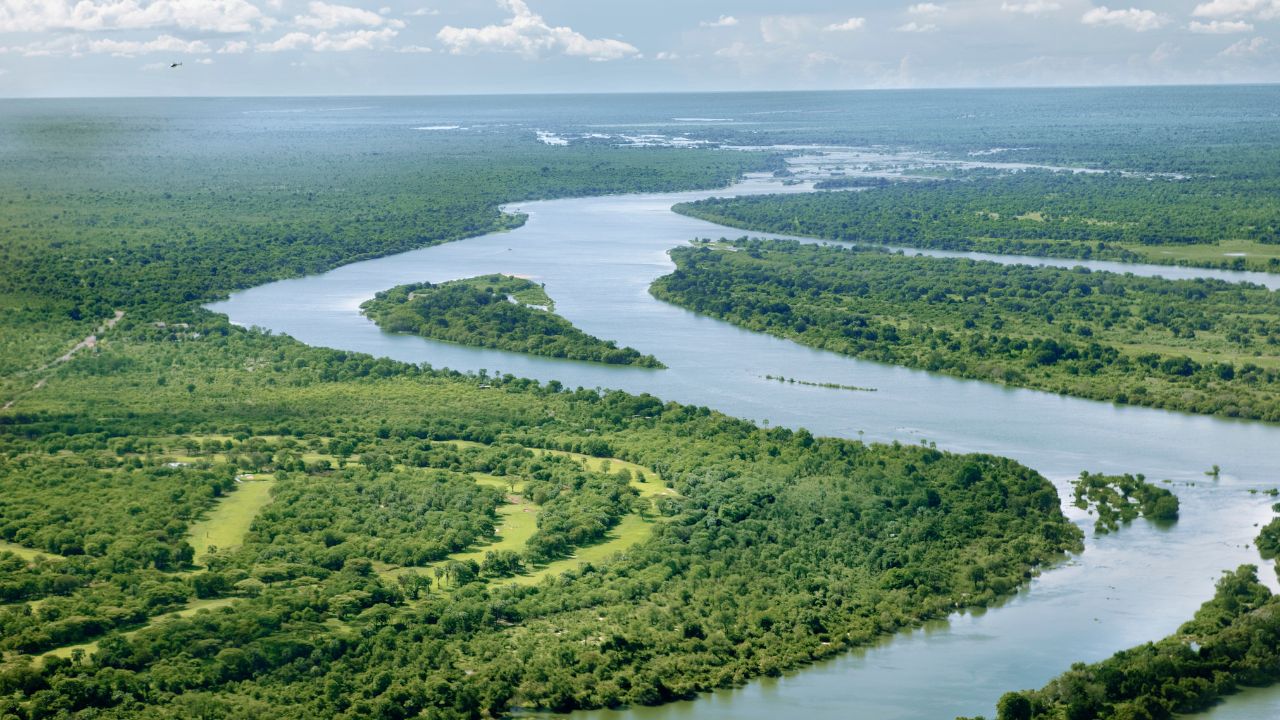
27	553
1256	256
505	484
631	530
519	520
191	608
226	525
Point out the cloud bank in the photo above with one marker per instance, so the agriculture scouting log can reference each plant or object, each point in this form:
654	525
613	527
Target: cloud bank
526	33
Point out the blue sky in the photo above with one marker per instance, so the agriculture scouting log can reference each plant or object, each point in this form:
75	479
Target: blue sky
308	47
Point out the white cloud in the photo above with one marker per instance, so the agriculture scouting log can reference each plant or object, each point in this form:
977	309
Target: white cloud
1246	48
785	28
1220	27
290	41
1030	7
722	21
1163	53
233	47
78	45
853	23
1264	9
414	49
327	16
664	55
736	51
424	12
164	43
330	42
92	15
915	27
526	33
1131	19
927	8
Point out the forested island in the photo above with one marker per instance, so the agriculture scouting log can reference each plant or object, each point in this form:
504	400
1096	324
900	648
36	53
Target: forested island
1227	220
494	311
1121	498
1201	346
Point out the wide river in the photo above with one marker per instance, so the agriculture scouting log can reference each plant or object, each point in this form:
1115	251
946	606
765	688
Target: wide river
597	257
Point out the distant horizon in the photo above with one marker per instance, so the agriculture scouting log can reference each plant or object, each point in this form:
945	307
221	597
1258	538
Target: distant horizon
551	93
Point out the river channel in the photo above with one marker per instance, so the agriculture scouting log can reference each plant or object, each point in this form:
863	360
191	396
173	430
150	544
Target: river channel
597	257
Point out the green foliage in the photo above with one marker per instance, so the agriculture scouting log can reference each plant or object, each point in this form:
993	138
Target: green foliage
102	212
1111	216
405	518
1121	498
1269	539
1196	345
578	507
494	311
105	504
779	548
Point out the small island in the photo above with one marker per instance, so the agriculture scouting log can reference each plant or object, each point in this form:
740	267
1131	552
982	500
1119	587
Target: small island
494	311
1121	498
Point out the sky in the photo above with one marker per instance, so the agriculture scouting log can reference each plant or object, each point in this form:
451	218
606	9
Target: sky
73	48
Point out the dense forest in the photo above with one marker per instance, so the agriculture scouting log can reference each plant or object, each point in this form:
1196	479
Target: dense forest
1201	346
775	547
1201	221
495	311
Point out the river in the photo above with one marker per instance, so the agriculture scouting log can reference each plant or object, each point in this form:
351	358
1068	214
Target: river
597	257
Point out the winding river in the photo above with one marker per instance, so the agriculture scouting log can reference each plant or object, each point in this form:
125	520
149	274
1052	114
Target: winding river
597	257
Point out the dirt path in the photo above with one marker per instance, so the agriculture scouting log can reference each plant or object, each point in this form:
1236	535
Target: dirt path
89	342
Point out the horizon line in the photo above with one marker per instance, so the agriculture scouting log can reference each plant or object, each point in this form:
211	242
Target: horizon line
615	93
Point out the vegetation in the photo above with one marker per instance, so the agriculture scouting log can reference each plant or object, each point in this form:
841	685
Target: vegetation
809	383
761	523
1121	498
1185	220
1200	346
387	558
1269	539
1233	642
496	311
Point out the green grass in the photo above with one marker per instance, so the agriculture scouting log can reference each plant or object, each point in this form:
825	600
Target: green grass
27	553
630	531
192	608
1256	255
519	520
528	294
226	525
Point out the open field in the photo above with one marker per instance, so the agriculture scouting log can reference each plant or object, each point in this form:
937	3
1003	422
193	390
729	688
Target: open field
225	526
26	553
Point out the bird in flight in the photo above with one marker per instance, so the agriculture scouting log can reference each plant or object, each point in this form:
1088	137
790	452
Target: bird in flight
175	65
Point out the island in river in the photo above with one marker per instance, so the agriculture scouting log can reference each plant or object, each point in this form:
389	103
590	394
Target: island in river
494	311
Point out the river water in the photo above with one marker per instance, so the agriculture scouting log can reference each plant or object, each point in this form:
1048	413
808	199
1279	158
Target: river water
597	257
